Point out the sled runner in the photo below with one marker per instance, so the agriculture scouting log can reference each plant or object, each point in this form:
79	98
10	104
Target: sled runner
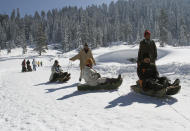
105	86
171	90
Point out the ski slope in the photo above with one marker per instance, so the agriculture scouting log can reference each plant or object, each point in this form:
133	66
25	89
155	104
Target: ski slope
29	103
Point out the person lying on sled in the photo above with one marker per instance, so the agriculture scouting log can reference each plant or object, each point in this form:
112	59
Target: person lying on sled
57	72
149	77
92	78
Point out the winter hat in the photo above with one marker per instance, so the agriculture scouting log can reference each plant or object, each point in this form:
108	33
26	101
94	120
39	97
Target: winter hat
85	44
89	62
147	32
146	55
56	61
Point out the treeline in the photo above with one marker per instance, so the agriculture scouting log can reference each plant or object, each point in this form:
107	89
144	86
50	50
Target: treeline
168	20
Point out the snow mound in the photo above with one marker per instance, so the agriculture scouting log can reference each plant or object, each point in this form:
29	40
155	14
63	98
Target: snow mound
125	56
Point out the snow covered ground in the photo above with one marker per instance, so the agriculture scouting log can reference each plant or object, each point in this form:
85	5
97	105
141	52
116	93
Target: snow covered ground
28	103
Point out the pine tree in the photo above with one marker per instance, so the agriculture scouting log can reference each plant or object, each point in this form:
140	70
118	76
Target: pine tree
118	21
78	39
84	30
21	40
163	27
183	34
31	39
10	45
41	42
65	41
2	36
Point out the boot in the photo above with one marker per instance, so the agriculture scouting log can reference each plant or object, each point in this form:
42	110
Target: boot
176	82
115	80
172	90
119	77
68	75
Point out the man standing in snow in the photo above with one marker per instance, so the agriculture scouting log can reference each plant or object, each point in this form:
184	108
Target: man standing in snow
38	63
147	46
34	64
83	56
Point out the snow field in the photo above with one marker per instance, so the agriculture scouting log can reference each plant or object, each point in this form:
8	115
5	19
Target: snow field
28	103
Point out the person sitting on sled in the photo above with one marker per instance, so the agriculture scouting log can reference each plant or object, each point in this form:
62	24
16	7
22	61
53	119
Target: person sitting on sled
57	72
92	78
29	68
149	77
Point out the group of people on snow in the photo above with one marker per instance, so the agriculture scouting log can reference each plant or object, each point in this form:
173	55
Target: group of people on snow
146	67
26	67
90	75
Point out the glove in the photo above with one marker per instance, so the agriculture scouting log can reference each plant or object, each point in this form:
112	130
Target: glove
141	83
99	76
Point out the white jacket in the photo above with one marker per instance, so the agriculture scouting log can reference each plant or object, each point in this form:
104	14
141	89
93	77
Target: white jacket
34	63
55	69
91	76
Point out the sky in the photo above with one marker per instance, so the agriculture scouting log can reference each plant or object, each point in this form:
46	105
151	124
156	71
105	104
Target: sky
30	6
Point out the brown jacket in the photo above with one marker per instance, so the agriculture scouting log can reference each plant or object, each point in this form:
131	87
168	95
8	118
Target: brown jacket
83	57
147	47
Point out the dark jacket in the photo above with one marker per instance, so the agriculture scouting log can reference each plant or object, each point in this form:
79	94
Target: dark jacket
147	71
28	62
148	47
23	63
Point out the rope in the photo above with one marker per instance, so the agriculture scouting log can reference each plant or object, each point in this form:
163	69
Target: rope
69	66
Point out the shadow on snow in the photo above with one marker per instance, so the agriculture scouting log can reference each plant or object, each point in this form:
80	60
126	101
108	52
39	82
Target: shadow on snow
60	88
78	93
132	97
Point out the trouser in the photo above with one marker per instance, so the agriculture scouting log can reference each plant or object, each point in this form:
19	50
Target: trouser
111	80
156	84
80	77
34	67
23	69
59	75
29	68
62	74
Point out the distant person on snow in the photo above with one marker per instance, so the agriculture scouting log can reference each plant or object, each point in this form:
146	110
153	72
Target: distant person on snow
34	64
29	68
92	78
149	77
57	72
24	65
147	46
41	63
83	56
38	64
